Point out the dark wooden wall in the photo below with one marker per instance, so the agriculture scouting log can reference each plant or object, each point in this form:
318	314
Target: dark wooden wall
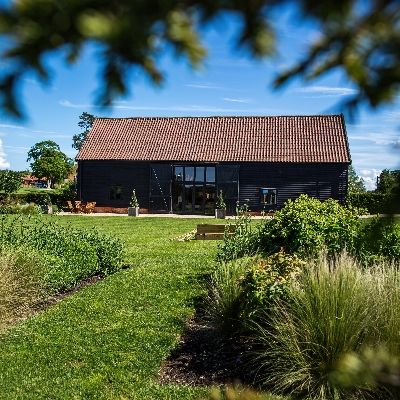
96	177
321	180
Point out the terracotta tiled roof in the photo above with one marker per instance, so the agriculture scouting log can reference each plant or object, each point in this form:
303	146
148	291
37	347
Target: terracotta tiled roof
320	138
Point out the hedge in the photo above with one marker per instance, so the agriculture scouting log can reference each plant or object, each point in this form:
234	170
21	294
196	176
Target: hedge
58	198
375	203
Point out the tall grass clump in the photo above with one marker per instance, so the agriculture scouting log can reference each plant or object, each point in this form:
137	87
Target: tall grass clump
243	241
335	308
21	286
223	304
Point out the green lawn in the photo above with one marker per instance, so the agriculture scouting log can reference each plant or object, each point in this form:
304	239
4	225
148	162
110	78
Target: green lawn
109	340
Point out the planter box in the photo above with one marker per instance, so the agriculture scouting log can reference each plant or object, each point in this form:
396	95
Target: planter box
133	211
220	214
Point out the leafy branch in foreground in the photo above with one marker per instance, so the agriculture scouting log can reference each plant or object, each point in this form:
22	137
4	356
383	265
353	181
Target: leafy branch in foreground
362	41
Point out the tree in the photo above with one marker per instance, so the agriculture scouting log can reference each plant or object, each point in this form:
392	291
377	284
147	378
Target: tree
388	181
10	181
49	162
355	183
86	123
361	39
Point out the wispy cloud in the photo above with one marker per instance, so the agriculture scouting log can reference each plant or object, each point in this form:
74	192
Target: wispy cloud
325	91
213	87
28	129
32	81
4	164
236	100
17	149
3	134
384	138
206	86
187	108
397	145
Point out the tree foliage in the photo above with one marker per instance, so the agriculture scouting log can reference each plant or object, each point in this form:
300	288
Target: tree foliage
355	183
49	162
388	181
362	39
85	123
10	181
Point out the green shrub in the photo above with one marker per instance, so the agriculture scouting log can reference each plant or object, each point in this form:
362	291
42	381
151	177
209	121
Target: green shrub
335	308
374	202
306	226
267	280
69	255
379	238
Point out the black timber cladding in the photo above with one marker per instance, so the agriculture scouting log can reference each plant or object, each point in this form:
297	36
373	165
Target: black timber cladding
321	180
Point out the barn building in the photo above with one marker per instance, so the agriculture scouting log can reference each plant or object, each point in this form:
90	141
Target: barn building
179	164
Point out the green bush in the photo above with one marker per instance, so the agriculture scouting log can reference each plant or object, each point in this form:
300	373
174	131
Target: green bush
374	202
267	280
306	225
379	238
58	197
69	255
336	307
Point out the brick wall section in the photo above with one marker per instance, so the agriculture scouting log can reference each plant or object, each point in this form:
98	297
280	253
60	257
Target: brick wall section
116	210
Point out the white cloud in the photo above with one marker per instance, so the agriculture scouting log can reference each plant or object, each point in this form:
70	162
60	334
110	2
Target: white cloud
3	134
369	176
397	144
4	164
236	100
325	91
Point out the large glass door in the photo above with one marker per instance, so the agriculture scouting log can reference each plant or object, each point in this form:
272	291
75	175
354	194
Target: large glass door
194	189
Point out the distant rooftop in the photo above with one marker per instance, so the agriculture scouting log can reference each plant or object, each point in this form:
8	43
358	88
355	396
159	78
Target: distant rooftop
319	138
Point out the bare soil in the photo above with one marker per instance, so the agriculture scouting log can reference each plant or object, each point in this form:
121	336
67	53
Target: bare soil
202	358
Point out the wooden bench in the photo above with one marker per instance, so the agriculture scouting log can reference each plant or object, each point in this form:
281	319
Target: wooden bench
213	231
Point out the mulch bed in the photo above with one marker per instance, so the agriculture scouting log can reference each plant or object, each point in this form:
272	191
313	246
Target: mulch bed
203	359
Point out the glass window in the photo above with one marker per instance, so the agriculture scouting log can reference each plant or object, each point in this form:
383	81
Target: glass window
268	196
189	173
200	174
118	192
210	174
178	173
112	192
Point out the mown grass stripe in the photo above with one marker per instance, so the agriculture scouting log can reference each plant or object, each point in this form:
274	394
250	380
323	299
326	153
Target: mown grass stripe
109	340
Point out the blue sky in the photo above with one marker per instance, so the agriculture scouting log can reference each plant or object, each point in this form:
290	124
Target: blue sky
231	83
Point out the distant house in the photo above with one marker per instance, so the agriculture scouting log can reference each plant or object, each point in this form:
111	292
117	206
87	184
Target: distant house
179	165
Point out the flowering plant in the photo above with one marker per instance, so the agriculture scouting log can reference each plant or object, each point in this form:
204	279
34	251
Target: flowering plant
134	201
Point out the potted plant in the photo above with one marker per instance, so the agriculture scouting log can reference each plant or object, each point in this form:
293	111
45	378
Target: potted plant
220	207
133	209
